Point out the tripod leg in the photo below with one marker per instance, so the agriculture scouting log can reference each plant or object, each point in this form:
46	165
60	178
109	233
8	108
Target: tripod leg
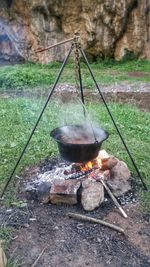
117	129
37	122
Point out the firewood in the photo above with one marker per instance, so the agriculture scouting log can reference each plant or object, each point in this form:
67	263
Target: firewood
94	220
113	198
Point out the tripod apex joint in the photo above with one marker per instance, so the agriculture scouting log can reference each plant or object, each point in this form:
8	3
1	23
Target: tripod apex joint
76	36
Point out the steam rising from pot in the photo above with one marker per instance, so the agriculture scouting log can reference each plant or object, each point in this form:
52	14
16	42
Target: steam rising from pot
79	134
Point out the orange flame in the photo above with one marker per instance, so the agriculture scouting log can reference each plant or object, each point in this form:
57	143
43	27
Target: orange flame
97	163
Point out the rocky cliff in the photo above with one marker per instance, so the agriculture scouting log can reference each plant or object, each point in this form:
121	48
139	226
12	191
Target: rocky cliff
108	28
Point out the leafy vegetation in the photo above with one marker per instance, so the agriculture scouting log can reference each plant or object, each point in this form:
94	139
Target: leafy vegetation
31	75
5	235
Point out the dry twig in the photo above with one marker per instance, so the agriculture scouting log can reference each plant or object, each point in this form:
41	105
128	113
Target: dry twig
114	199
36	261
94	220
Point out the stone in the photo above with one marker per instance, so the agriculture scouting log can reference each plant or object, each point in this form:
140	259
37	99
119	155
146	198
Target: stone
103	154
43	192
64	191
92	194
109	163
120	171
119	186
115	29
119	176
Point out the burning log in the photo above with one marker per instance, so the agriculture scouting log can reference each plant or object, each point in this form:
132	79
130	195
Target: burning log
90	219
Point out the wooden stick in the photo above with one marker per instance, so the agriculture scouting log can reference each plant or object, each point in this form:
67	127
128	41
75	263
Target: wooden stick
51	46
114	199
36	261
90	219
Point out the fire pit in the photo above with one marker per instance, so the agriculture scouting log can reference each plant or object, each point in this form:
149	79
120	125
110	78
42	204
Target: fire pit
79	143
70	183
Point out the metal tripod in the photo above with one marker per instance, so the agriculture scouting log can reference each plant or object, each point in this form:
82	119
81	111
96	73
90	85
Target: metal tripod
75	45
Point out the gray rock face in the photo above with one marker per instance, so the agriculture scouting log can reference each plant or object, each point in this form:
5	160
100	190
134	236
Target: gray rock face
108	28
92	194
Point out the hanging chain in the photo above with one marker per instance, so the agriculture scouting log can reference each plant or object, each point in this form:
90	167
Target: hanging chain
78	81
76	62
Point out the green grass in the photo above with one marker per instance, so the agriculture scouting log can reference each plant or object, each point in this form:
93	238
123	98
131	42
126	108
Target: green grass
18	115
5	236
108	71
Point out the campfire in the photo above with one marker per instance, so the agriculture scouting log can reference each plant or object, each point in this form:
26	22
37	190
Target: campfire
83	183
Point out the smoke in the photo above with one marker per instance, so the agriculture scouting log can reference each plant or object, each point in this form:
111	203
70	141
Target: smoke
82	134
77	126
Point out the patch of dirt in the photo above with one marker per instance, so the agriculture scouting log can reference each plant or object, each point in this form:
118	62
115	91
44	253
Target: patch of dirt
139	99
138	74
136	227
71	243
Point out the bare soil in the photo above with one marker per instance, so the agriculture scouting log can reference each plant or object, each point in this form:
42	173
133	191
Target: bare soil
138	74
71	243
139	99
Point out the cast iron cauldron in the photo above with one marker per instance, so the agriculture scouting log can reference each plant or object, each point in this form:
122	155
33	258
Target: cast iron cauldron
78	143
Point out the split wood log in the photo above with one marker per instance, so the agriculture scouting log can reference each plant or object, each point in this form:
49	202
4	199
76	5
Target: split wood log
113	198
94	220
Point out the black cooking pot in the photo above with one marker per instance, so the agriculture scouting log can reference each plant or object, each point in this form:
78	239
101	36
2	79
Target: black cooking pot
79	143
